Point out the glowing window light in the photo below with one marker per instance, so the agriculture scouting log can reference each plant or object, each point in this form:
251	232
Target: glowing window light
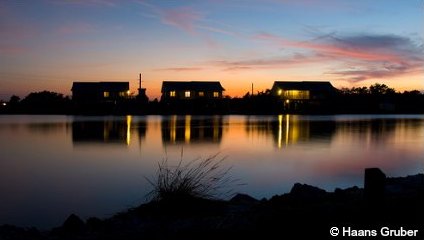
296	94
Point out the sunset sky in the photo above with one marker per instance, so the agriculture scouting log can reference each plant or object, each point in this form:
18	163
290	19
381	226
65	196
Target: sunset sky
48	44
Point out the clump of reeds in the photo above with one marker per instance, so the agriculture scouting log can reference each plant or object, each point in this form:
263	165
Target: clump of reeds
199	178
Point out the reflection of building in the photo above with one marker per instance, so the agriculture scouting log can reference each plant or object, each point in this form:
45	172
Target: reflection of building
113	131
289	129
191	129
372	130
97	92
191	90
292	130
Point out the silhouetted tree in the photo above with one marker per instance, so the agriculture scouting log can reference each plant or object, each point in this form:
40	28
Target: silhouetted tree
381	89
46	102
14	100
412	93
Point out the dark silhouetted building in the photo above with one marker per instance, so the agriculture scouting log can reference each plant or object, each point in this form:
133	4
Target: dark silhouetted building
98	92
173	90
304	90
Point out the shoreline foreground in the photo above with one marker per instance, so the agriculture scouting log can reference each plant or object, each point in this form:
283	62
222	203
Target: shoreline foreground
384	207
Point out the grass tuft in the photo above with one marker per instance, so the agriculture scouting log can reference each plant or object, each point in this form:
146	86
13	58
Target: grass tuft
200	178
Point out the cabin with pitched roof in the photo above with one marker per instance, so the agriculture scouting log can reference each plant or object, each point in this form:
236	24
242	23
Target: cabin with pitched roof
303	90
189	90
98	92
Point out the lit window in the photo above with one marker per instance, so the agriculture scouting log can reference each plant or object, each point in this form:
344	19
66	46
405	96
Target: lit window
172	93
122	94
201	94
187	94
106	94
297	94
280	92
215	94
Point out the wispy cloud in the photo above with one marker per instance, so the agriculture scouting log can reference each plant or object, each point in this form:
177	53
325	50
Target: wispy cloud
11	49
326	5
15	31
108	3
185	18
180	69
364	56
282	62
355	57
332	46
75	28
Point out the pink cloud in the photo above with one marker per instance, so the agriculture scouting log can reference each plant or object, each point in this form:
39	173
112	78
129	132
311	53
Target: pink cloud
268	63
182	17
11	49
75	28
365	56
331	49
329	5
109	3
180	69
14	33
186	19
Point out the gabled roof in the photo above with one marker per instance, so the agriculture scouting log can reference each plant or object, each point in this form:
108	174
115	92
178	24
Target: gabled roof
96	86
191	85
304	85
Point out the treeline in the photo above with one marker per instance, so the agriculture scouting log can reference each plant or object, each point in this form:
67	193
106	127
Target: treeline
44	102
378	98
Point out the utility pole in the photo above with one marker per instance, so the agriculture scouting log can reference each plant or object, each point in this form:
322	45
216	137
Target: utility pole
139	82
252	89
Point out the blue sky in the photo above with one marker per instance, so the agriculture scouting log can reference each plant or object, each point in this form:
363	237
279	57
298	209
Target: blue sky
48	44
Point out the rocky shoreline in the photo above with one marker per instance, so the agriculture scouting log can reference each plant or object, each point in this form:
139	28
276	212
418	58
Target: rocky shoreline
305	212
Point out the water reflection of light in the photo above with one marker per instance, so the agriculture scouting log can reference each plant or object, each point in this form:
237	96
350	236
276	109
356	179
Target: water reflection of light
216	128
292	130
187	129
129	118
287	137
173	129
280	130
287	128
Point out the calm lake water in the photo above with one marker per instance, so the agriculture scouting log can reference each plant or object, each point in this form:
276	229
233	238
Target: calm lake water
52	166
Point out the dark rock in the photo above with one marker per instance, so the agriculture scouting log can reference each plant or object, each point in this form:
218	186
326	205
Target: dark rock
241	198
405	185
73	224
13	232
374	185
95	224
306	191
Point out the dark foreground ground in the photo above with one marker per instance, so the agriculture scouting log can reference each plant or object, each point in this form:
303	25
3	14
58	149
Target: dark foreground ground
306	212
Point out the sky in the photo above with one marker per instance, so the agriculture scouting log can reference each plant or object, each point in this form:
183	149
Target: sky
48	44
